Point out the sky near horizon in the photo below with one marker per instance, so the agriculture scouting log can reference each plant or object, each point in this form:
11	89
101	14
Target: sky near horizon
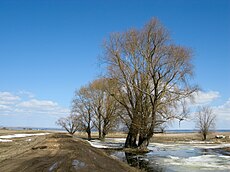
48	49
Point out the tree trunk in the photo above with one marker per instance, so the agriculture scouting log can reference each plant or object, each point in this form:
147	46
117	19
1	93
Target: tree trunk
88	130
131	140
143	141
99	127
132	135
89	135
104	133
144	138
205	136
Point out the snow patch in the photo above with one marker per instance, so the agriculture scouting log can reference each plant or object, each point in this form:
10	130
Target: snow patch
54	166
215	146
5	140
108	143
21	135
203	162
97	144
78	164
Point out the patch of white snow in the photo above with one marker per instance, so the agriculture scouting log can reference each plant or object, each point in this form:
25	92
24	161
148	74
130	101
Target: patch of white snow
5	140
22	135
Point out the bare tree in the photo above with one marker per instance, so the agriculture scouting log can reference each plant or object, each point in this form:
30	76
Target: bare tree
96	98
82	106
162	128
205	121
151	74
104	106
111	113
69	123
96	108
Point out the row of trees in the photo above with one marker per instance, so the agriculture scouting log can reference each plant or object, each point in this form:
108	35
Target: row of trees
93	108
146	83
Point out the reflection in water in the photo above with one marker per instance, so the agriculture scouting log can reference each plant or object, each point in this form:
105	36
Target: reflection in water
141	162
137	161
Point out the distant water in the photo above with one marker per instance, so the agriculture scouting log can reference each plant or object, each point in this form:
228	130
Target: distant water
191	131
33	128
60	129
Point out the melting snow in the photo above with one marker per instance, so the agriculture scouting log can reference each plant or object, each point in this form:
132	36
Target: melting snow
5	140
97	144
78	164
21	135
54	166
108	143
214	146
204	161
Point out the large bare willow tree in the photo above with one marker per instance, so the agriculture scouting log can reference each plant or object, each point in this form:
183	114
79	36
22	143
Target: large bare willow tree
152	77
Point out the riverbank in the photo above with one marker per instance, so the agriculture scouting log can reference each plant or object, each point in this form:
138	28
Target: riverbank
55	152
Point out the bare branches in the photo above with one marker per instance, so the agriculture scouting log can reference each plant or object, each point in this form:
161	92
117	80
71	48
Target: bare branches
70	123
151	75
205	120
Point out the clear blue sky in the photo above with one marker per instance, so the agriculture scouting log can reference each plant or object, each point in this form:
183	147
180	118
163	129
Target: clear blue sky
50	48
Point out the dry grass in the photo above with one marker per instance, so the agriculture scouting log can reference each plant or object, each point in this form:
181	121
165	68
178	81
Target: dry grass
175	137
94	135
166	137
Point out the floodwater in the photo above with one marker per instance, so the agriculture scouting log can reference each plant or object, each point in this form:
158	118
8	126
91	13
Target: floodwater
178	157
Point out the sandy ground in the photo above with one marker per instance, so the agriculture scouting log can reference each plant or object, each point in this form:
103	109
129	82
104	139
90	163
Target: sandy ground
56	152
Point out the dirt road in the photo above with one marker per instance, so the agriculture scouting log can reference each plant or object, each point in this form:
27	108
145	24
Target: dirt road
58	152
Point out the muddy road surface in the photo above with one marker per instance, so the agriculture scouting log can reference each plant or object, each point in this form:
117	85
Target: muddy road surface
56	152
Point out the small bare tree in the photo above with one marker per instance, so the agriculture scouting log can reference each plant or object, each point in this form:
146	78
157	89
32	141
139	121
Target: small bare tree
69	123
205	120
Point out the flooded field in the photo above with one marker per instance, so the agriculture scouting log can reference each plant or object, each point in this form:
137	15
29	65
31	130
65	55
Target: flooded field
170	157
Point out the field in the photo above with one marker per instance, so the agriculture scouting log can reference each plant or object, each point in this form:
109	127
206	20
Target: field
168	137
61	152
183	137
